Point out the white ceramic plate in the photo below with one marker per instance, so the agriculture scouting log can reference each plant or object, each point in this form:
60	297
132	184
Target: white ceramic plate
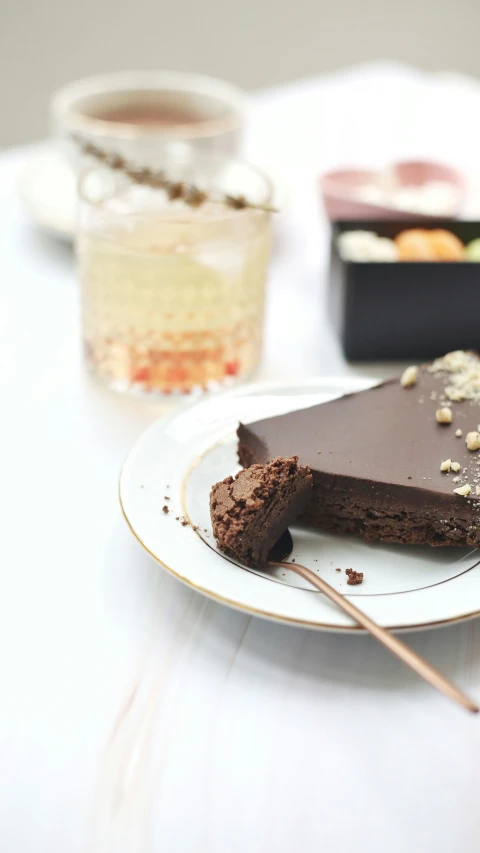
182	456
48	191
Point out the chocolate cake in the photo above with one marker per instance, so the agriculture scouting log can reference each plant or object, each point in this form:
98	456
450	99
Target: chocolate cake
396	463
251	511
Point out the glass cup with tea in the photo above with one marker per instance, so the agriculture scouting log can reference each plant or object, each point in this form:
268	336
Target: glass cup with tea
137	114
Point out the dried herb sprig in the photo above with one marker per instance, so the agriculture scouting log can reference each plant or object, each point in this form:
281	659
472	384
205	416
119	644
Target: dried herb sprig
188	193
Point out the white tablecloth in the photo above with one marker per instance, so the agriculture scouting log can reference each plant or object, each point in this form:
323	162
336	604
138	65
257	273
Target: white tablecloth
136	715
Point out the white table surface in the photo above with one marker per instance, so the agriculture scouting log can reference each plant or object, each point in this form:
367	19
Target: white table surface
136	715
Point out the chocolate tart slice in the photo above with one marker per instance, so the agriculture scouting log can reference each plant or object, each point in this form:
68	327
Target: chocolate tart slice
376	456
250	512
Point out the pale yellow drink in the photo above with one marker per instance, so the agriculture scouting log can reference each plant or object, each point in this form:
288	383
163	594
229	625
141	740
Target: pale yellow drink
172	296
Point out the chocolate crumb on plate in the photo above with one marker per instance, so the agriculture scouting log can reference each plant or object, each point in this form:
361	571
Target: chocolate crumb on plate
354	578
165	509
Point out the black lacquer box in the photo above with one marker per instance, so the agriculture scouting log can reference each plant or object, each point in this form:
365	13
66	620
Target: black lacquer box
404	310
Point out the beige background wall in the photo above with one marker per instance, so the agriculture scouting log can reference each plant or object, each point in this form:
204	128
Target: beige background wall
255	43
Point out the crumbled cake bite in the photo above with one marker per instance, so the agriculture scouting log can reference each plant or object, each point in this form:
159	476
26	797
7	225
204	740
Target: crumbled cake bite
250	512
385	463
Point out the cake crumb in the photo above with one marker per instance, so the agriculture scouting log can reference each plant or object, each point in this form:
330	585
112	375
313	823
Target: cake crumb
459	433
338	570
354	578
477	490
409	477
446	465
409	376
444	415
166	498
165	509
463	491
455	466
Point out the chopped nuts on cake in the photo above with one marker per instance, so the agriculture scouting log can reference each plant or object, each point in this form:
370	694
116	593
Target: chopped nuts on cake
454	393
446	465
409	376
463	490
463	372
473	440
457	361
444	415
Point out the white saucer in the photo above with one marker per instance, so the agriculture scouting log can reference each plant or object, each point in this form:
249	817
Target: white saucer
48	190
175	463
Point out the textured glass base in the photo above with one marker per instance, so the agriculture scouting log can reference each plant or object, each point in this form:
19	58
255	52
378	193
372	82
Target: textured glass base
137	391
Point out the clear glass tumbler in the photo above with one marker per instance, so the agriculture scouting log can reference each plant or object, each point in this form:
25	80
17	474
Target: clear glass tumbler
173	294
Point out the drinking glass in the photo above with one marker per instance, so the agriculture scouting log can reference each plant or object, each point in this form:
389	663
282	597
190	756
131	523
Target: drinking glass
173	294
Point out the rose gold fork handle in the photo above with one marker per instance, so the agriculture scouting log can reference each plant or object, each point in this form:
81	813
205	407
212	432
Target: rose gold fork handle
407	655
